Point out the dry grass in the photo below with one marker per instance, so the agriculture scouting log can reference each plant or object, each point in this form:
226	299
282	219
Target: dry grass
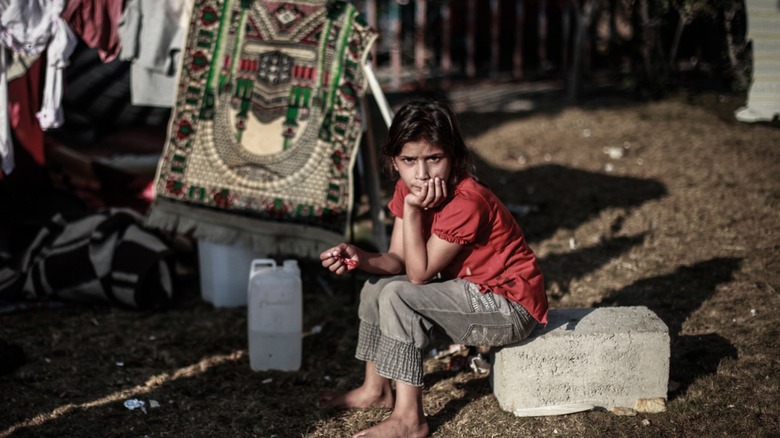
685	222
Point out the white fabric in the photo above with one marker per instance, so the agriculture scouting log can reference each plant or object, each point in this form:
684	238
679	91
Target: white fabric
60	48
26	25
152	35
6	148
763	98
29	27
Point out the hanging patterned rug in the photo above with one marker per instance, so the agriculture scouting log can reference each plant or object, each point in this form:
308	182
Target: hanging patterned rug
265	130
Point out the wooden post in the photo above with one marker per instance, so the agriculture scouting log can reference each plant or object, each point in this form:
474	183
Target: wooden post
566	36
372	165
371	18
395	45
583	17
471	31
446	42
446	39
542	49
495	43
517	59
419	42
371	181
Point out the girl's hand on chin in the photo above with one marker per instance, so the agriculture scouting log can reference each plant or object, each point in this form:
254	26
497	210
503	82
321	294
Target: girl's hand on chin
432	194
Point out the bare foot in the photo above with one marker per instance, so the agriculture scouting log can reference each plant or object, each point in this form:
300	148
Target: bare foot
359	398
396	427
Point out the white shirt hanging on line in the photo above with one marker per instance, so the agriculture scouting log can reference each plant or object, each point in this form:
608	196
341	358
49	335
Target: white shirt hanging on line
152	35
29	27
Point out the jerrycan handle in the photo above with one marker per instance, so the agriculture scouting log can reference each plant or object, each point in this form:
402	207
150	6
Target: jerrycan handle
260	264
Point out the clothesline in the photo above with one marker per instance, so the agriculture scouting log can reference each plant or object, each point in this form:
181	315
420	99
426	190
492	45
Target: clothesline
147	33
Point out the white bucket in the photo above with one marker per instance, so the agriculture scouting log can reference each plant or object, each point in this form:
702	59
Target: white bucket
275	315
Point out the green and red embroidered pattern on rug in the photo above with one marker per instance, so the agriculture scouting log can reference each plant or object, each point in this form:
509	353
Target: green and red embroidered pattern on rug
267	122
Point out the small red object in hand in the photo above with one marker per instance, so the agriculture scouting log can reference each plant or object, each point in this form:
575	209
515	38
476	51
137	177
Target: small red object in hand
351	264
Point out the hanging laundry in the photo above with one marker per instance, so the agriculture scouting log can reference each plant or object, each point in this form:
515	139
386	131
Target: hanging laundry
24	100
17	64
96	22
6	147
31	27
152	34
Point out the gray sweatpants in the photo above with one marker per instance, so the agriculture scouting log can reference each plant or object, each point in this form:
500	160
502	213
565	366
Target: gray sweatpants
396	318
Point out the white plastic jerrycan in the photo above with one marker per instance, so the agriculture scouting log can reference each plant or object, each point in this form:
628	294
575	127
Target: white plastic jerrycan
275	315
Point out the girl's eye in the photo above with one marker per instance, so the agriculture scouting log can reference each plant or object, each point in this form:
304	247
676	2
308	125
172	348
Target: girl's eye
434	159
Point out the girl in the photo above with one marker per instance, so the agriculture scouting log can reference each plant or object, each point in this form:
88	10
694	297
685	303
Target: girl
457	260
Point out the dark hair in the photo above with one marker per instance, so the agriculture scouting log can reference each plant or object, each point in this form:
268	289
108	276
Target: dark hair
434	122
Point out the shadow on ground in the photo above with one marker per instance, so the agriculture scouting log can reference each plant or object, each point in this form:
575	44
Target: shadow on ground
565	197
674	297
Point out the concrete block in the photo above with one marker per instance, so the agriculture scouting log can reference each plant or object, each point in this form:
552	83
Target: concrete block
585	358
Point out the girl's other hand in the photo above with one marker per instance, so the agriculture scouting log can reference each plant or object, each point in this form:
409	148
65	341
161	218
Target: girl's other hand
340	259
432	194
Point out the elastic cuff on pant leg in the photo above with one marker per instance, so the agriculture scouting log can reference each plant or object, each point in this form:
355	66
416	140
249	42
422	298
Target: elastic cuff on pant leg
368	341
399	361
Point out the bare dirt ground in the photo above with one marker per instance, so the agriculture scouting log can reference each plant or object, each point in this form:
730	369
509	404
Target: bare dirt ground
671	205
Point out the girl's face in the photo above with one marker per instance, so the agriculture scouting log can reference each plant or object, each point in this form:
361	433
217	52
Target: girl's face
420	161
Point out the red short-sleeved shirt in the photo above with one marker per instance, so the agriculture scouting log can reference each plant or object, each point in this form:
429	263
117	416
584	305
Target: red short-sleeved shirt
495	255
